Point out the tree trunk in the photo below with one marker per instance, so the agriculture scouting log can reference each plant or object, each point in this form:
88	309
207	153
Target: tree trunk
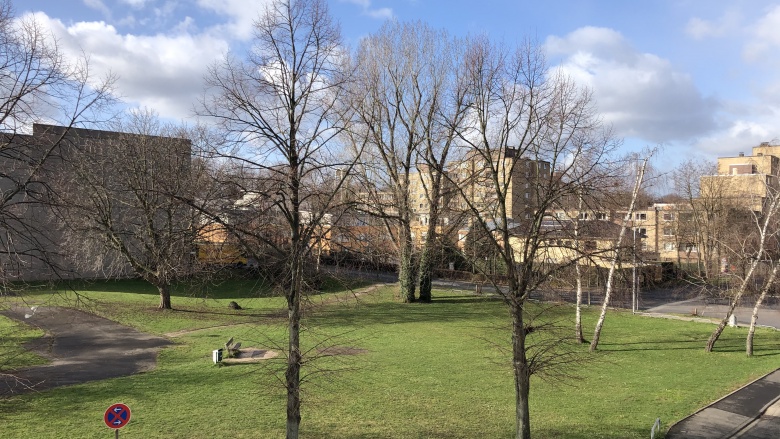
522	374
600	323
768	218
426	273
578	309
637	185
426	257
578	271
406	274
722	325
759	301
293	372
165	296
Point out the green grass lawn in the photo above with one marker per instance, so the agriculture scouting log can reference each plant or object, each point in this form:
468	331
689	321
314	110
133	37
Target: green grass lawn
421	371
13	335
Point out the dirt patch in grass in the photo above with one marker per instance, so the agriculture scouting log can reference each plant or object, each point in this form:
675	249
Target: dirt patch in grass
251	355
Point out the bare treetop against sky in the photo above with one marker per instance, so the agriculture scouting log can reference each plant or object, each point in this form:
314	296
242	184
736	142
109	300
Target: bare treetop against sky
698	76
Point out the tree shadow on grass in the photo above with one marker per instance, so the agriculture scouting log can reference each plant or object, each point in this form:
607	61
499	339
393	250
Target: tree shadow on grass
280	313
464	299
723	345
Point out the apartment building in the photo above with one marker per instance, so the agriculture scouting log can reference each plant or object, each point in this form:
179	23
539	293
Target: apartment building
745	181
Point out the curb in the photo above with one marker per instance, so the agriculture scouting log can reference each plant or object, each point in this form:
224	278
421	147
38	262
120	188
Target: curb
738	432
738	429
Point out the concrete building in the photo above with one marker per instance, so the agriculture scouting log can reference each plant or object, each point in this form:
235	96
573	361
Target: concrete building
33	167
745	181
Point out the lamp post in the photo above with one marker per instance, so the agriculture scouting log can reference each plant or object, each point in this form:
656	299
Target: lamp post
633	278
635	287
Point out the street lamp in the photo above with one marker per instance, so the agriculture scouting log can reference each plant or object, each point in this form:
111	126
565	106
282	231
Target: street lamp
634	289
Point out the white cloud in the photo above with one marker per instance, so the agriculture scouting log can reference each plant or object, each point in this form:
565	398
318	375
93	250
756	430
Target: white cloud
640	94
378	13
241	13
763	36
740	136
381	13
162	72
727	24
99	6
753	116
138	4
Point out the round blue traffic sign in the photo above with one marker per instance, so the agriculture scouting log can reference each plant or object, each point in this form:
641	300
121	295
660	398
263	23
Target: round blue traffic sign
117	416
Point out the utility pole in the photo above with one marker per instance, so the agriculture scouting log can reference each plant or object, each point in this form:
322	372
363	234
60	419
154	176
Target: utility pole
633	278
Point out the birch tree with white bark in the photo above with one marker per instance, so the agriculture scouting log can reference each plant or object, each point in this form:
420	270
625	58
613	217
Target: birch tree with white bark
640	174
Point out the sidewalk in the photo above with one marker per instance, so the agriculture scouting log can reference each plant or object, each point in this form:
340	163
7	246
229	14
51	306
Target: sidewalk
732	415
752	412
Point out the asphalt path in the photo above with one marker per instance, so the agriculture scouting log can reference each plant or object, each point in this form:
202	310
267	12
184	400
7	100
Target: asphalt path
81	347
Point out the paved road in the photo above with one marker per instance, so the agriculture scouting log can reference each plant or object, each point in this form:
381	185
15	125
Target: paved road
767	316
82	347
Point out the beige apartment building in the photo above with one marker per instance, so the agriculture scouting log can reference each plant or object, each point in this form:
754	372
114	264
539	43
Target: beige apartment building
660	232
745	181
468	184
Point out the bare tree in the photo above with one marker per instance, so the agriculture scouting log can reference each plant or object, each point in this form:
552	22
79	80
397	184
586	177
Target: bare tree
524	124
279	109
388	111
768	286
753	251
705	198
406	97
37	84
616	255
125	196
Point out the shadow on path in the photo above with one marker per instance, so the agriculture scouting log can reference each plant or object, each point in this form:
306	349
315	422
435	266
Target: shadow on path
81	347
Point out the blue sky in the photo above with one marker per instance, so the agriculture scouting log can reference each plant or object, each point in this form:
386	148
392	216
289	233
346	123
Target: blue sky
700	78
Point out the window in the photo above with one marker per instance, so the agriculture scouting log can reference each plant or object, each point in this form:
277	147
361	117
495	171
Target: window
641	231
601	216
583	215
691	248
668	246
668	231
640	216
668	216
527	195
560	215
590	246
